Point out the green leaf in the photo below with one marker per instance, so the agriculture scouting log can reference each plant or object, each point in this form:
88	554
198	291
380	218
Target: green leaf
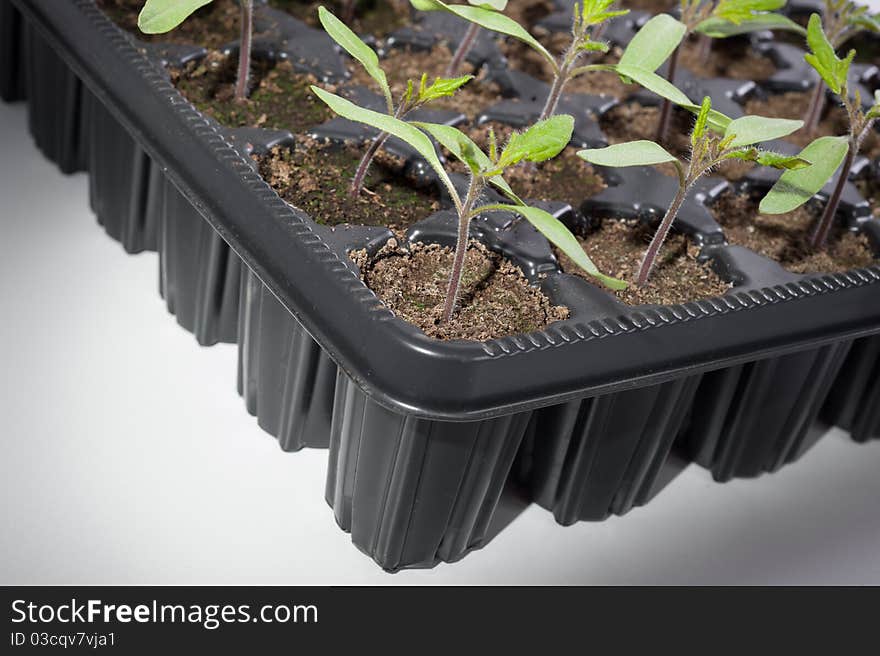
652	45
497	5
780	161
769	158
631	153
352	44
466	151
400	129
794	188
719	28
739	10
823	58
490	20
659	85
560	236
653	82
442	87
540	142
160	16
755	129
702	119
594	12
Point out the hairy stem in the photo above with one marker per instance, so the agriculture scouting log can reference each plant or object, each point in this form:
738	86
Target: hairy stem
244	50
820	236
461	244
357	182
562	76
660	236
464	47
815	108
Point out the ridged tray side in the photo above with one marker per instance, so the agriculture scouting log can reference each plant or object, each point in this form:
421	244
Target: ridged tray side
412	491
56	105
589	459
126	190
286	379
199	275
757	417
854	402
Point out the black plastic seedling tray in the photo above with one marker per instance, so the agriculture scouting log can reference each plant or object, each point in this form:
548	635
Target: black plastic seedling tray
591	417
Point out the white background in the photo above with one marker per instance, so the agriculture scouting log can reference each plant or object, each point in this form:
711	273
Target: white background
126	455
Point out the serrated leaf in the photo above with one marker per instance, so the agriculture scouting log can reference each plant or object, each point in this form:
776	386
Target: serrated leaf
769	158
540	142
352	44
442	87
794	188
652	45
489	20
393	126
560	236
750	130
594	12
828	65
593	46
781	161
466	151
702	120
630	153
719	28
160	16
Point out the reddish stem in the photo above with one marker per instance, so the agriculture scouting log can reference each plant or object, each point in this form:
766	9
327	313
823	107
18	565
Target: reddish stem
464	47
461	244
357	182
660	236
244	50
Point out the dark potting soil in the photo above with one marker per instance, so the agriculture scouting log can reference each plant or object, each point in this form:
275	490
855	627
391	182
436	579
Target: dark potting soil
731	58
565	178
495	300
211	26
617	248
785	237
794	105
280	98
375	17
404	64
315	178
